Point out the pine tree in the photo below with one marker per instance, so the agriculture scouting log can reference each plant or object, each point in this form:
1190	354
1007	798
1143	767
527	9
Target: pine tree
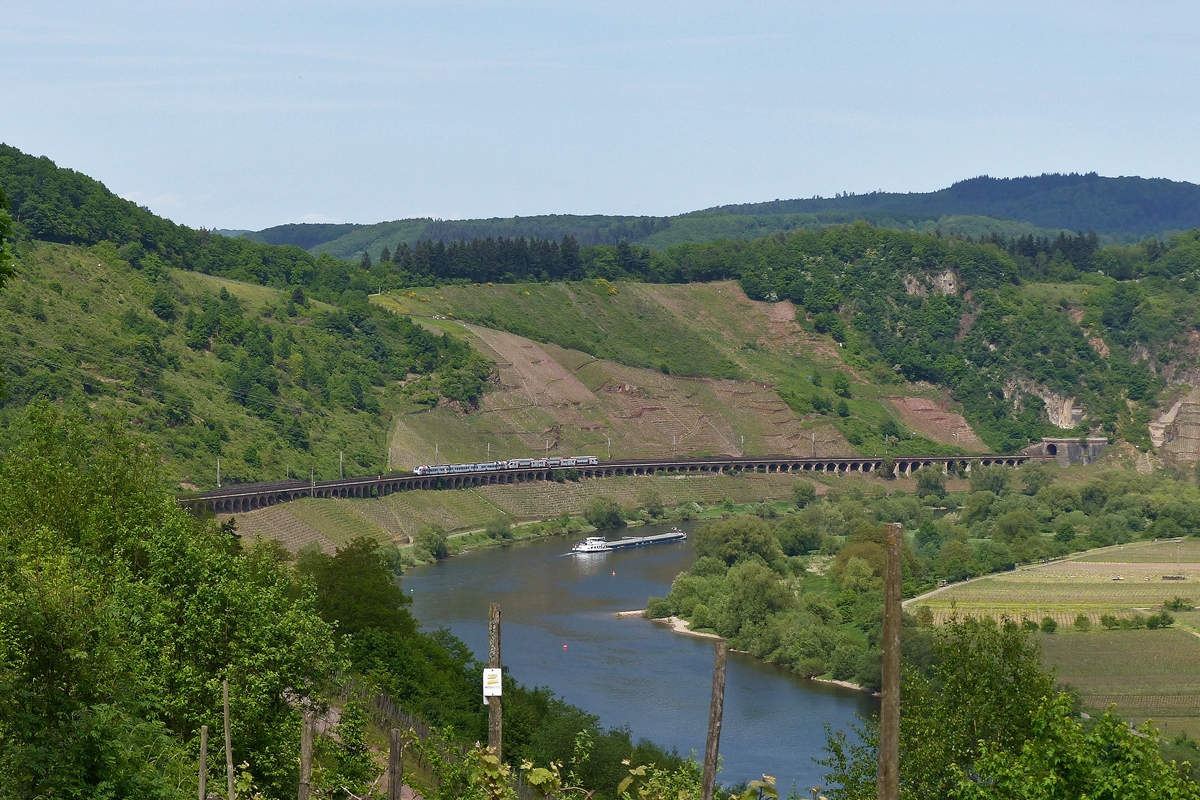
365	262
385	256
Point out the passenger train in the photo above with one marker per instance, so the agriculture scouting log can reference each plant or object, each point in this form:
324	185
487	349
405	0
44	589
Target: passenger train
515	463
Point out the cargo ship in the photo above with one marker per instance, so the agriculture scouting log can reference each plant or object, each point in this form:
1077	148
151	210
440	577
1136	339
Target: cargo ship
598	544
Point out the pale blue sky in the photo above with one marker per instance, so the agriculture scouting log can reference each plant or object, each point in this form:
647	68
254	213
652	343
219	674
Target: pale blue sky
254	114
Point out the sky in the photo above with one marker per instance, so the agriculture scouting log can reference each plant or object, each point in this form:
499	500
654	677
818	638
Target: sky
251	114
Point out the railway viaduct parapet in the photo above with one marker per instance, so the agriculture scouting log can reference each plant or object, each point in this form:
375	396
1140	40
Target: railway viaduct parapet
241	498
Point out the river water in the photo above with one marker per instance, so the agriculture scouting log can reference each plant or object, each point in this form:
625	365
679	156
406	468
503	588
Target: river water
630	671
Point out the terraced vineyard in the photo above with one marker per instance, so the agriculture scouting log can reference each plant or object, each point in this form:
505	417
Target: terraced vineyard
1145	674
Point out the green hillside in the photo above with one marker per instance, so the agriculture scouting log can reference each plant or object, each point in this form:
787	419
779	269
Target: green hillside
270	382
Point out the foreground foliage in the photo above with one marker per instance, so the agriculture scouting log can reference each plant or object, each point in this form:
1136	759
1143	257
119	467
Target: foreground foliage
985	723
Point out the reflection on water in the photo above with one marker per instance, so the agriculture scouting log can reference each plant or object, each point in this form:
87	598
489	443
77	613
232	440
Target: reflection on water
630	671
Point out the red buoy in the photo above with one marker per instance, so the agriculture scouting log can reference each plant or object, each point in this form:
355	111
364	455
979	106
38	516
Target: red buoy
564	645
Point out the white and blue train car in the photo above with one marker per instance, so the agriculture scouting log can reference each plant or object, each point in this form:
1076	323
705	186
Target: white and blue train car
514	463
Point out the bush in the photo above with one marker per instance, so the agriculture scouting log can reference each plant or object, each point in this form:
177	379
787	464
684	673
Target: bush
1178	604
604	512
1082	623
657	608
1109	622
1028	625
843	409
1049	625
499	528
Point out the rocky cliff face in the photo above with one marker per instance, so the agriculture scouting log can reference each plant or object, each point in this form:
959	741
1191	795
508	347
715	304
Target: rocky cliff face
1176	432
1061	411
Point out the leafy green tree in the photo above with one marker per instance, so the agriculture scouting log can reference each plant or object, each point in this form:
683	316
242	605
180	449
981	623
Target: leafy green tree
994	479
931	481
736	539
355	589
1049	625
841	385
650	501
604	512
797	535
434	540
803	493
986	687
355	767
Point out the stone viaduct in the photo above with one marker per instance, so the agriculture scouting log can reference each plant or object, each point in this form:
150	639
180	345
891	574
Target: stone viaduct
240	498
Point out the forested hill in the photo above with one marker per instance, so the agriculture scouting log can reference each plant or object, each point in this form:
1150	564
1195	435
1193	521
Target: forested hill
1120	207
1117	209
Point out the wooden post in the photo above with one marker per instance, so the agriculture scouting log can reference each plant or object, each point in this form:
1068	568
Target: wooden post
228	742
203	793
715	711
495	715
889	712
395	765
306	753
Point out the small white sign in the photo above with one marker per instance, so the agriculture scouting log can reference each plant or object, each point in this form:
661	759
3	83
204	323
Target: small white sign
492	683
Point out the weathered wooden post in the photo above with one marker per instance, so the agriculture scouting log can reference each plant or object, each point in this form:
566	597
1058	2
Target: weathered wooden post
889	712
306	755
395	765
715	710
228	742
495	714
203	793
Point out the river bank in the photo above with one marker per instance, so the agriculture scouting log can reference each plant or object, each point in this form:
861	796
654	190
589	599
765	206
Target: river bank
681	626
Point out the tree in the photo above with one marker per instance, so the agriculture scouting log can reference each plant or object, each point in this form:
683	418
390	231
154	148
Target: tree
650	501
797	535
604	512
355	589
433	539
1049	625
6	232
931	481
120	615
1083	623
355	768
365	261
994	479
985	688
843	409
841	385
803	493
736	539
1035	477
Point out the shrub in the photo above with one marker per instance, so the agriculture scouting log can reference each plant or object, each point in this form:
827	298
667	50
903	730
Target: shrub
843	409
1028	625
1162	619
1049	625
657	608
1109	622
1178	604
499	528
1082	623
841	385
925	616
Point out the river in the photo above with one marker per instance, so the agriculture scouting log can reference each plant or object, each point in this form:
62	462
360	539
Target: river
560	630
